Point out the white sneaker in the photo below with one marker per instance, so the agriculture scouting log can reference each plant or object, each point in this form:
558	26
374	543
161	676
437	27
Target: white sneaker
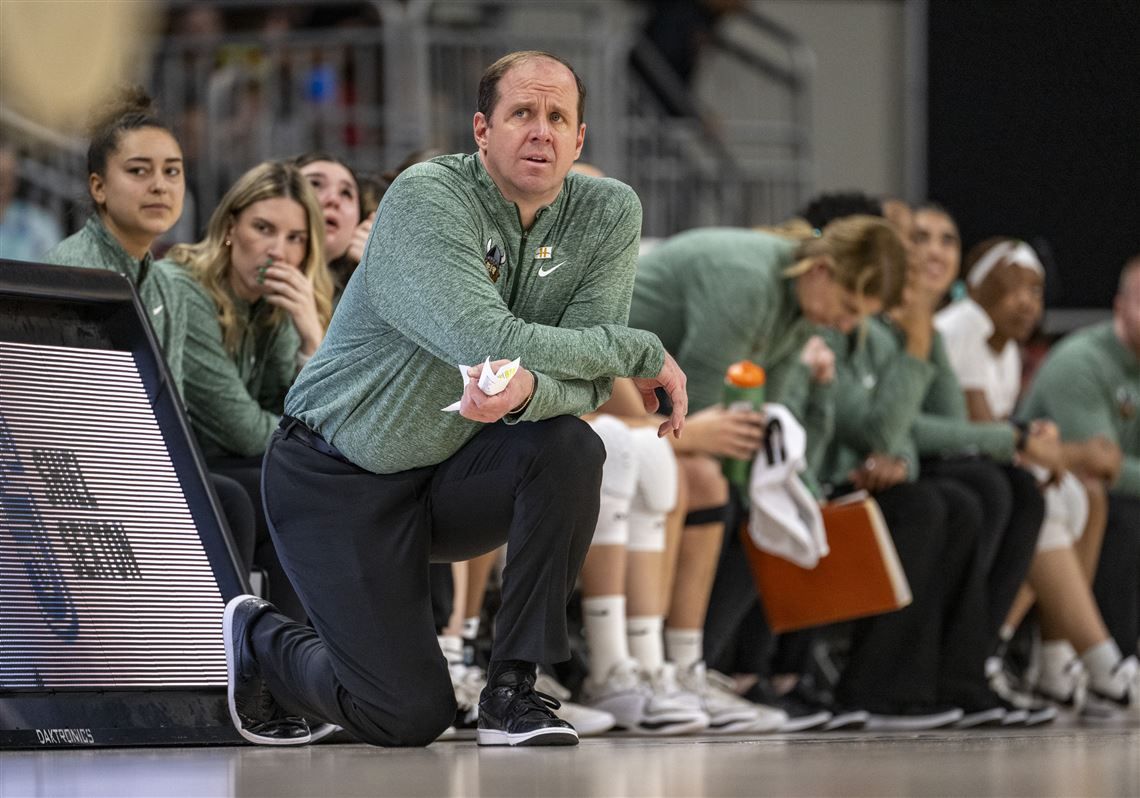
728	712
467	682
1119	694
586	720
672	704
1035	711
645	705
1065	686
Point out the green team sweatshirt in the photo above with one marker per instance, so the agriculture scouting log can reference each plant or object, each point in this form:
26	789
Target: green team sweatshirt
1090	385
943	427
234	400
423	301
718	295
93	247
879	390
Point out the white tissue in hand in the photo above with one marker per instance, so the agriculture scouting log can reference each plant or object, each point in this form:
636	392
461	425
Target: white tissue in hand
491	382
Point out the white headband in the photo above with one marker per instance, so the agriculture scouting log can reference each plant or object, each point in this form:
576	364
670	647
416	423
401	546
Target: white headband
1017	252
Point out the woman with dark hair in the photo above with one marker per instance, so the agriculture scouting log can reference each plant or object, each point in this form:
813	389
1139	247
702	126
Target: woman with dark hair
137	185
136	182
983	333
949	449
348	220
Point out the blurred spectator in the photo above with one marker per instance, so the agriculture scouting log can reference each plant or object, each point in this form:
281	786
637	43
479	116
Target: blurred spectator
26	231
679	30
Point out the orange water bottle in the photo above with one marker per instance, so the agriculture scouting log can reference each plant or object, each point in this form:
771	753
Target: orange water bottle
743	390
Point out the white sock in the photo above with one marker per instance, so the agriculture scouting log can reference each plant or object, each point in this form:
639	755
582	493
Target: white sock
470	628
1055	656
603	621
1101	659
684	647
452	648
646	643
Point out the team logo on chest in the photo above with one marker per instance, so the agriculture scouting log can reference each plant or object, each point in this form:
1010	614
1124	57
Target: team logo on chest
544	253
494	260
1126	403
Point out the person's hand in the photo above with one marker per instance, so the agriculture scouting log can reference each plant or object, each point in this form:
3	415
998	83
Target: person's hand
360	238
478	406
719	432
819	359
878	472
915	317
1097	457
1042	447
286	287
673	380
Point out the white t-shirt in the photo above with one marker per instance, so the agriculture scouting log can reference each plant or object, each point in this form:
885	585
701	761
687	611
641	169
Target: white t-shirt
965	327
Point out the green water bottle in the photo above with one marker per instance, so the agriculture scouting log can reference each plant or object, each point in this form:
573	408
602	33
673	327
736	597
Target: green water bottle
743	390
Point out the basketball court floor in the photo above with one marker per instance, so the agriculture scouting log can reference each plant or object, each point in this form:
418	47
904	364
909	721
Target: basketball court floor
1059	760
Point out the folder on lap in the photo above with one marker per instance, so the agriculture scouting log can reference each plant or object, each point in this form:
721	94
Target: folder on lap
861	575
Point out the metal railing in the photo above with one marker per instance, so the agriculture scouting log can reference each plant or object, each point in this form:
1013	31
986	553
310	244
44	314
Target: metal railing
374	94
52	167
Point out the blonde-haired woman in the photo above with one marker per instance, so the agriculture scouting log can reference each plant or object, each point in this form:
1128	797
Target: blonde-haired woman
259	298
719	295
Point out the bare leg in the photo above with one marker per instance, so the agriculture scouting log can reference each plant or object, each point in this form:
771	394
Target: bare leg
1022	603
1068	610
700	545
674	525
1088	547
459	572
603	574
478	574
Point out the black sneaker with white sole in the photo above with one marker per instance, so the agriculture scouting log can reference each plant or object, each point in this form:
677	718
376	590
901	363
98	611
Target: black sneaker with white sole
512	712
804	710
253	710
847	719
983	707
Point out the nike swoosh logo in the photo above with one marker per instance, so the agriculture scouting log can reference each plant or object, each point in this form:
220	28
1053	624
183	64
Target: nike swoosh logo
543	272
157	310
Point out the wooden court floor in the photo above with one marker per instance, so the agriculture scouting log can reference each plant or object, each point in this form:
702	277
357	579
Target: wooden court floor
1054	761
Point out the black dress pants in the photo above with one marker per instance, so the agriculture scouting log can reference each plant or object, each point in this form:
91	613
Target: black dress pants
934	649
357	546
238	510
246	471
1013	510
1117	584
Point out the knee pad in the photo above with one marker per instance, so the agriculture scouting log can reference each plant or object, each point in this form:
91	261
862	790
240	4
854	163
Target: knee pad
1066	513
656	493
619	482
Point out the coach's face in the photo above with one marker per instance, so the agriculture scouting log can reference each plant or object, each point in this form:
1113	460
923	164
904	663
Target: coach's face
533	135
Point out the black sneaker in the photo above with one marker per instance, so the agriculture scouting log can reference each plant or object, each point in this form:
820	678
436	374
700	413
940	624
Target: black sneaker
1006	686
848	718
803	710
512	712
986	708
254	712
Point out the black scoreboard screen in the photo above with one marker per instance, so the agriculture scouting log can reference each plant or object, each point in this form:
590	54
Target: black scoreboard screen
115	564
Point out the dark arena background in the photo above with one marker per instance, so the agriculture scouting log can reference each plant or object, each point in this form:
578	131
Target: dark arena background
1021	117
